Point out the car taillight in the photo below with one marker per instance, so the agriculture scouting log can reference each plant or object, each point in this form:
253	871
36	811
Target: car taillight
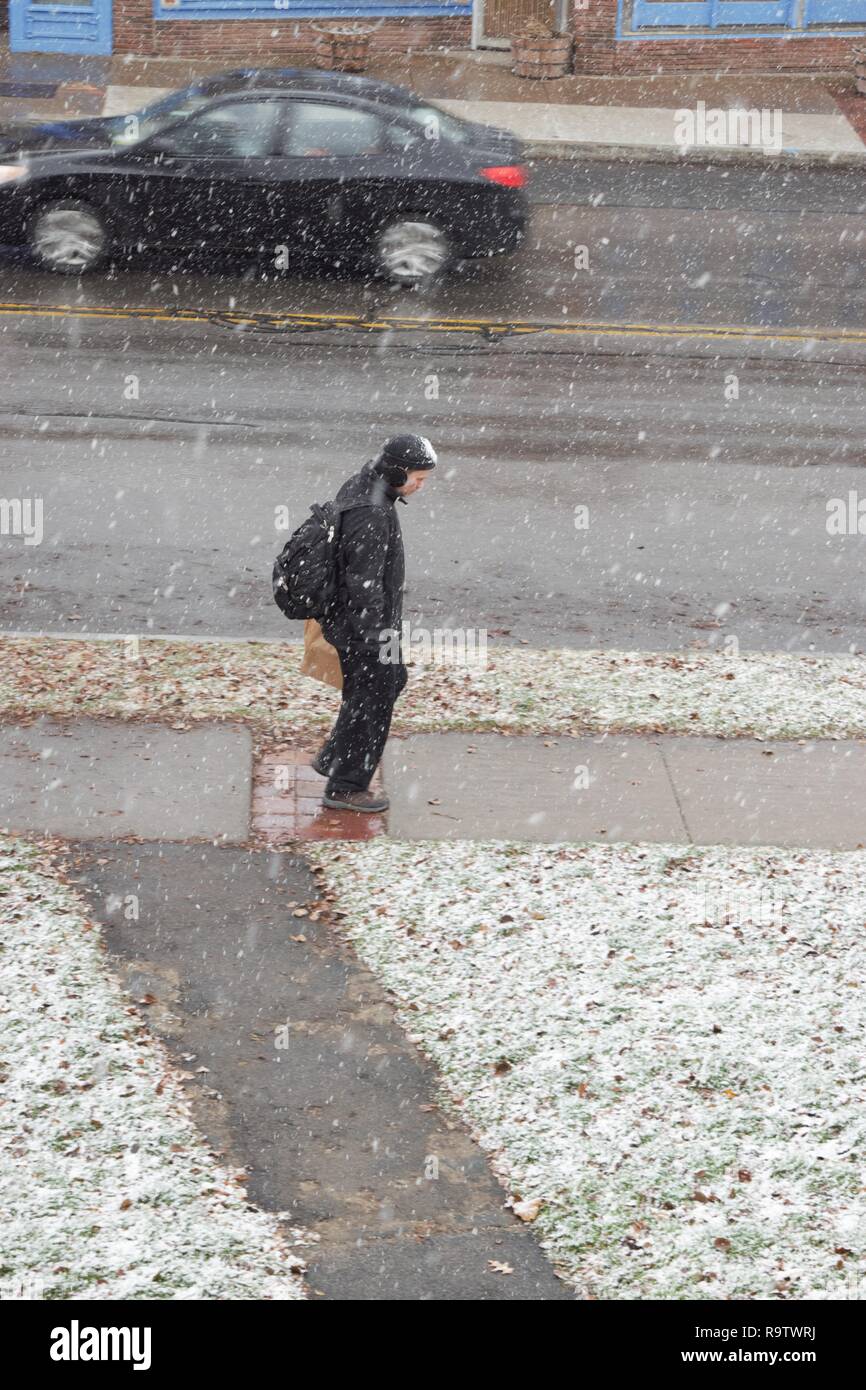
10	172
509	175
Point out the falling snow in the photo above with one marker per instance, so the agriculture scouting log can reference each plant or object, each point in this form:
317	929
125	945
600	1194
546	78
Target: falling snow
111	1192
663	1047
768	695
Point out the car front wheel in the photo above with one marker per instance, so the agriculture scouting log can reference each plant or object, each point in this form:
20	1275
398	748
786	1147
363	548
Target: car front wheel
68	237
412	251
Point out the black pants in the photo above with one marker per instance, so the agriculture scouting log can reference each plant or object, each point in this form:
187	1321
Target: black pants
357	740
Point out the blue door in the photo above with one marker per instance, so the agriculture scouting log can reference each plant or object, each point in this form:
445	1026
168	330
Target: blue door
66	26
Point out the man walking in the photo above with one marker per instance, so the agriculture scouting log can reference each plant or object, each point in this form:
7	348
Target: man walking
368	603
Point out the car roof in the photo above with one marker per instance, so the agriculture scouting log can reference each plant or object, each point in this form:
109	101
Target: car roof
309	80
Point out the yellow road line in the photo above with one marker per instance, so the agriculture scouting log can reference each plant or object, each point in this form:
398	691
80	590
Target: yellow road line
298	321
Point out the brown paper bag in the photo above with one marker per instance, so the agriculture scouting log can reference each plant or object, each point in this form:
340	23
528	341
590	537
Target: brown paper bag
321	660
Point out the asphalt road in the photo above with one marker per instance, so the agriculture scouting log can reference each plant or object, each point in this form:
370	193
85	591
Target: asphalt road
702	398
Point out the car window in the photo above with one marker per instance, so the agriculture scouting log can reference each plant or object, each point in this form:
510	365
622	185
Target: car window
234	130
315	128
435	124
136	126
402	137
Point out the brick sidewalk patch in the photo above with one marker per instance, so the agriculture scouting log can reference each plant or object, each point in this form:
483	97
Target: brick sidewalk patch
287	803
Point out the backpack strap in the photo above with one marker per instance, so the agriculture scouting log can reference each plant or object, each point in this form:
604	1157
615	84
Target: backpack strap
341	507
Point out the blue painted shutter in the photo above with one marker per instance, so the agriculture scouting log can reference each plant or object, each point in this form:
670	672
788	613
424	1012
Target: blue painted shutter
82	27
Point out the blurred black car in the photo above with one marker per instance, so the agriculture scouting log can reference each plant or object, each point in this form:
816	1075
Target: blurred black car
267	161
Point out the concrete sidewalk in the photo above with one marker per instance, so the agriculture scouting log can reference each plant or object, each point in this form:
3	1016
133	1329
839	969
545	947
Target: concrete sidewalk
813	120
92	778
337	1124
662	789
649	132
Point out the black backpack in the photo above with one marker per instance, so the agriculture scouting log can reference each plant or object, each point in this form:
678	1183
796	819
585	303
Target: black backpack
305	571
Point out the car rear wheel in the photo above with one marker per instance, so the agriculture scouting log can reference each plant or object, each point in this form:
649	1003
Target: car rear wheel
68	237
412	251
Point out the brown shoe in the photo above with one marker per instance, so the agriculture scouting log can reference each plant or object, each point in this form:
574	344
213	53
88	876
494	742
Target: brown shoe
356	801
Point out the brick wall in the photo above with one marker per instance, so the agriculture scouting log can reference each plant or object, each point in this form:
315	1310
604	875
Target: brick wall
265	41
596	50
133	26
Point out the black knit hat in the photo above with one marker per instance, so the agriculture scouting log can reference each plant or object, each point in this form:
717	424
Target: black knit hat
404	454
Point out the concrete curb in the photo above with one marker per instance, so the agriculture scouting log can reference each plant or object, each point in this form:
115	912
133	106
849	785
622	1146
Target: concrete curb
663	154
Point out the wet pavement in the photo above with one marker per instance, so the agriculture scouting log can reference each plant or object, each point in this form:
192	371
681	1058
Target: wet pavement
663	789
160	511
287	803
94	779
697	386
100	777
308	1080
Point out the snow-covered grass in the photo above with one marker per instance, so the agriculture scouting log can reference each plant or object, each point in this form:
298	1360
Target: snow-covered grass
108	1189
663	1048
767	695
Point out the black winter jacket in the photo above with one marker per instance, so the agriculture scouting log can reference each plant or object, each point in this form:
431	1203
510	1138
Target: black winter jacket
370	566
